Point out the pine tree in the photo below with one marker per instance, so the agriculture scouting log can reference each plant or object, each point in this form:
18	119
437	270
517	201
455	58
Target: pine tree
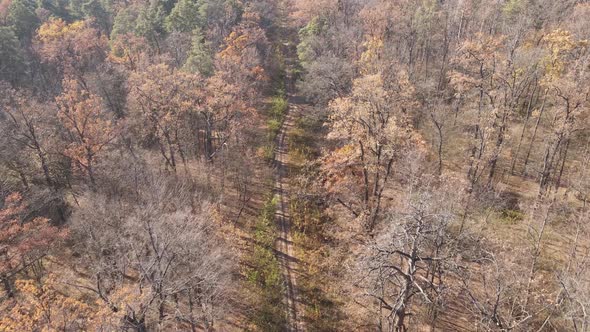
186	16
199	58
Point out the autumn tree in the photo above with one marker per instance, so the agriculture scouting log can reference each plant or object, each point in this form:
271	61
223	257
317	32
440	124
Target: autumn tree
24	241
169	99
570	99
373	124
45	306
220	17
495	293
476	81
128	50
240	62
74	48
28	126
164	97
90	128
327	78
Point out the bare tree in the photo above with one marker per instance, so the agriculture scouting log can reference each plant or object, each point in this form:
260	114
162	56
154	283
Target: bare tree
494	293
157	263
409	262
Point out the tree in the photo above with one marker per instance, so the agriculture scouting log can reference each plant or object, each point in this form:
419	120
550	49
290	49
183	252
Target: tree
410	261
571	100
74	48
21	15
477	80
163	97
495	292
158	264
23	241
128	50
150	24
373	124
169	100
326	78
200	59
124	22
240	63
44	306
95	9
12	63
186	16
28	125
90	128
220	17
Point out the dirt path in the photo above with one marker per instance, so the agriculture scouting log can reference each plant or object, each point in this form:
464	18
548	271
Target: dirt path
284	245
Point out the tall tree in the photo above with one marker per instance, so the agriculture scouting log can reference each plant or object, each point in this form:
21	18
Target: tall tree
29	125
186	16
21	15
90	128
12	62
373	123
200	59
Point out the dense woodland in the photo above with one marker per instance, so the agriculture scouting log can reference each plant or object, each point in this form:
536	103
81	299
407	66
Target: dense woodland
438	165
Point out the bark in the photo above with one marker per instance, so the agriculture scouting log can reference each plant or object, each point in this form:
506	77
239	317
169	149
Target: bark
439	149
528	154
559	176
365	175
524	127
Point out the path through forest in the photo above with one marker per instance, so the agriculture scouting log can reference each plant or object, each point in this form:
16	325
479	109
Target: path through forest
285	250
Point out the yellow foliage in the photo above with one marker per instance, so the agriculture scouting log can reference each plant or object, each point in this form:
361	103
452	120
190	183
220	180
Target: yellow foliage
370	58
560	44
44	308
56	28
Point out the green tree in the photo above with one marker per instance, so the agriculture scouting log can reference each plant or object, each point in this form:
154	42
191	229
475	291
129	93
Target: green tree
308	48
185	16
11	59
21	15
57	8
96	9
150	24
199	58
124	22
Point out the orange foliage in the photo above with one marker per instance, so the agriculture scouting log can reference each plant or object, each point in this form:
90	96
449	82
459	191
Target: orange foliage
74	46
91	128
127	50
45	308
22	241
241	63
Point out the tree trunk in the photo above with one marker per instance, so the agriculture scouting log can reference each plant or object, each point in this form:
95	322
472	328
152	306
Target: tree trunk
90	170
524	126
558	181
365	175
7	284
528	154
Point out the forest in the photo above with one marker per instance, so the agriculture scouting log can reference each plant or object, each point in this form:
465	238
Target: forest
294	165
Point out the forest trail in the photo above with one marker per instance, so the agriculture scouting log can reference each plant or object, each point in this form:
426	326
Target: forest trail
284	246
